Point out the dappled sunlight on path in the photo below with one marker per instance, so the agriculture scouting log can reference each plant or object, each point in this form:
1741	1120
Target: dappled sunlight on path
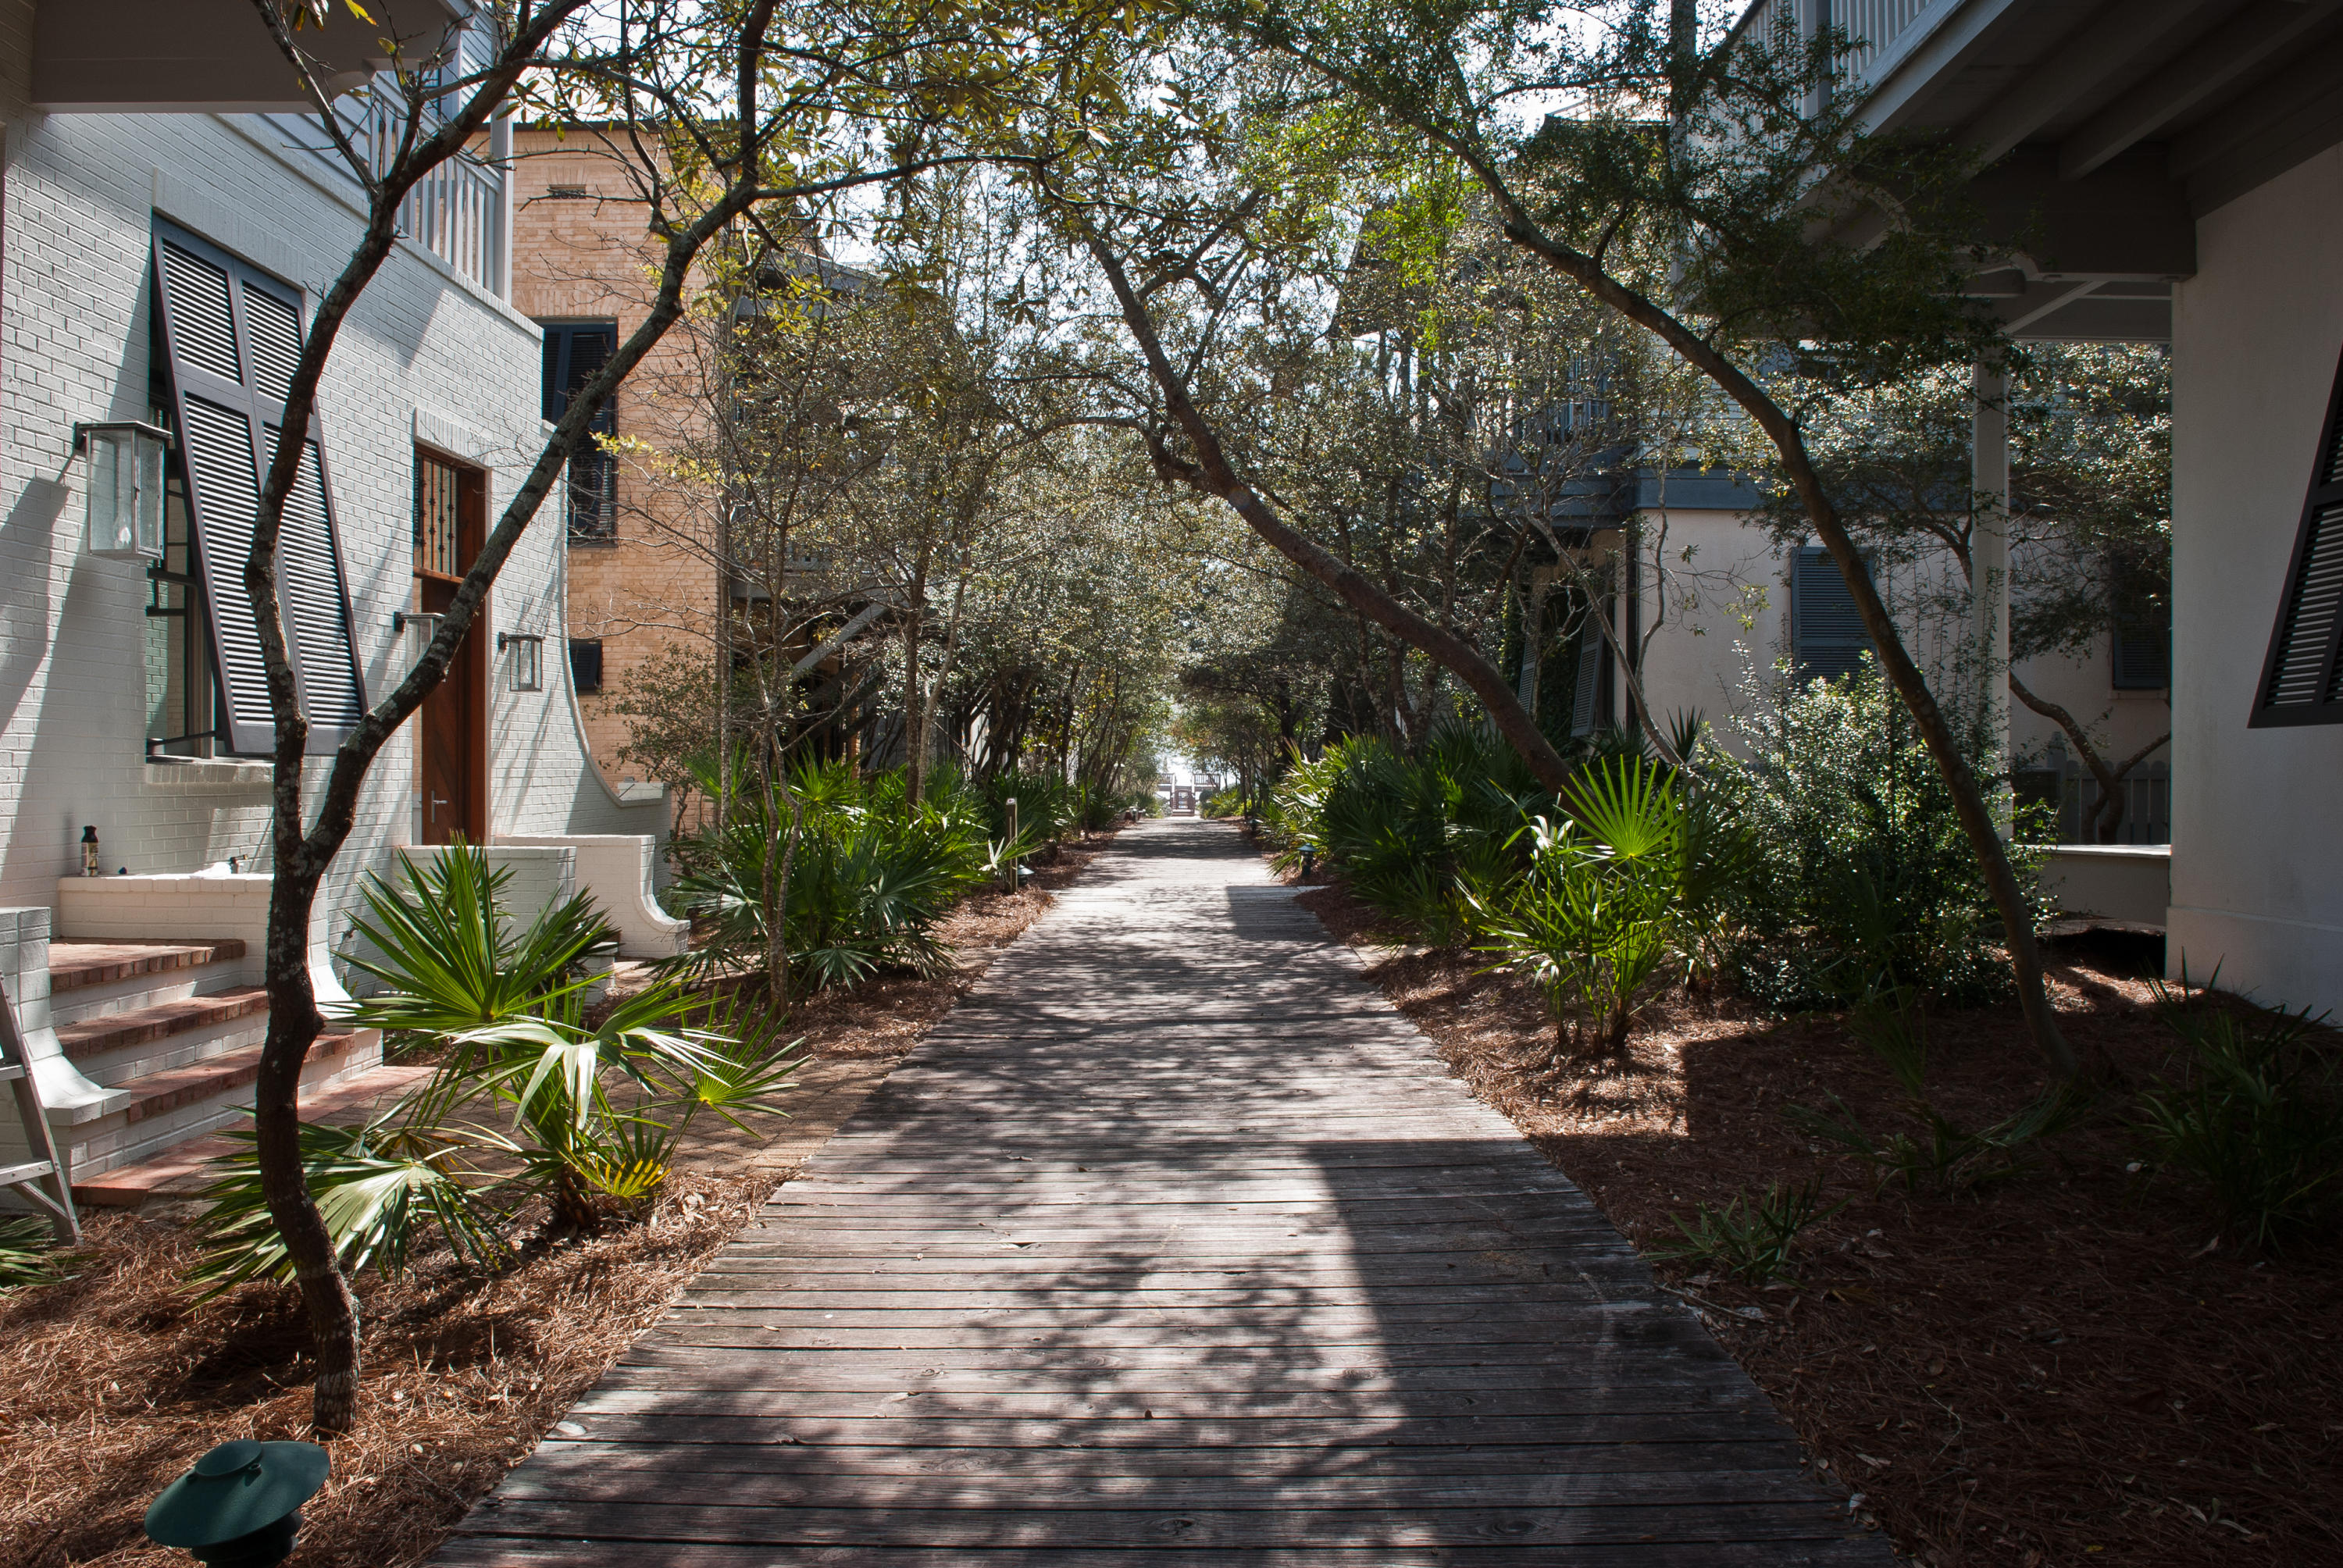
1173	1244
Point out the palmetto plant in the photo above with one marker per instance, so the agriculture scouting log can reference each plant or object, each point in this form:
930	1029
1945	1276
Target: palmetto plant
1753	1238
26	1251
526	1099
1415	837
2256	1119
1611	887
870	876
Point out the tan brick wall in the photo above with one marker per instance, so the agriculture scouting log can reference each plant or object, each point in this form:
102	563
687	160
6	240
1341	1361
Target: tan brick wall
590	259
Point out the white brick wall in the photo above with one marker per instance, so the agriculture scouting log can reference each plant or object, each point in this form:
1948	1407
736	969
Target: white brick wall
75	316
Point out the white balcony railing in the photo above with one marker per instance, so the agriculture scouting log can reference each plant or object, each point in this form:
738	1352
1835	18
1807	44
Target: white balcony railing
457	214
1872	26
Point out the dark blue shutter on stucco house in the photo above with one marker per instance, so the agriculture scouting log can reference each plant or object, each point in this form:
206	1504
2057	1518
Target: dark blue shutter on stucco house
1826	636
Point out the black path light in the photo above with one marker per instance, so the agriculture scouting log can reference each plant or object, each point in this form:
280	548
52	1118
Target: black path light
240	1506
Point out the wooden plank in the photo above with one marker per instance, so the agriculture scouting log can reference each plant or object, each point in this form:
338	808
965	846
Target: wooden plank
1386	1492
1375	1462
1179	1252
1625	1395
497	1552
1136	1430
1195	1528
727	1381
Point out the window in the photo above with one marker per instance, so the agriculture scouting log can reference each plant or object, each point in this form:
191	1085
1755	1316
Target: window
2141	638
575	352
1826	636
232	337
180	699
439	516
585	665
2302	676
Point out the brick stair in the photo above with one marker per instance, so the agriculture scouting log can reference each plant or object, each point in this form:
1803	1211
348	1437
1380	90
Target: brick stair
170	1034
180	1171
112	1032
76	965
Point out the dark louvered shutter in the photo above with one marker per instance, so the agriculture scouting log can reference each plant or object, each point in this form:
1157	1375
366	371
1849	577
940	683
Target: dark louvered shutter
2302	678
234	336
1826	636
585	665
574	353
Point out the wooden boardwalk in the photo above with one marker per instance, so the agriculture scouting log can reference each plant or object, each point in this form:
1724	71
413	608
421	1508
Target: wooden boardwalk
1174	1243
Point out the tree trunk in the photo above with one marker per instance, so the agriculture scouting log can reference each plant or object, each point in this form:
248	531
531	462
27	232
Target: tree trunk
293	1028
914	736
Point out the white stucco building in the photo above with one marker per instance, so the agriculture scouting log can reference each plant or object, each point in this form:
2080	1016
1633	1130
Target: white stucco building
2172	172
167	227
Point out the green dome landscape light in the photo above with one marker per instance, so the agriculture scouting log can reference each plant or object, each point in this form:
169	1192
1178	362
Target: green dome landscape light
240	1506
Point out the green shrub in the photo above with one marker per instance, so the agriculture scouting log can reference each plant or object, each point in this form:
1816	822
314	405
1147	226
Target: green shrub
1412	836
1867	880
2255	1119
1753	1239
505	1009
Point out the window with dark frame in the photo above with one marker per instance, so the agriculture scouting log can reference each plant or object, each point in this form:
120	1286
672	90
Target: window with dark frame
575	352
2302	675
181	701
585	665
2140	636
439	516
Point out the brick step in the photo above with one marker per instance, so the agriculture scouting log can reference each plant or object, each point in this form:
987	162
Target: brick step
157	1092
159	1021
180	1170
73	965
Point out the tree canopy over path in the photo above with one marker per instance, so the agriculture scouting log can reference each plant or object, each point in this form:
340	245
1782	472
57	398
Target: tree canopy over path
1173	1244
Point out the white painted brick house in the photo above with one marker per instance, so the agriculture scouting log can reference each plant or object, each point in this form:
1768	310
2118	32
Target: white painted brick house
115	717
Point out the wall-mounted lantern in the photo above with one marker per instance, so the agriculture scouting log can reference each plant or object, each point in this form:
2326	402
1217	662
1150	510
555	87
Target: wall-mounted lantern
241	1504
527	667
418	627
123	488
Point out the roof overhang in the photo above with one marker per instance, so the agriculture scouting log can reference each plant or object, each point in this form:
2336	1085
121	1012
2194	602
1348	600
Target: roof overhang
2104	128
214	56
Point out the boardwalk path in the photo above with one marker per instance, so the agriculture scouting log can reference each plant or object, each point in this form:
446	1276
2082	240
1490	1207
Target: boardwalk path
1172	1244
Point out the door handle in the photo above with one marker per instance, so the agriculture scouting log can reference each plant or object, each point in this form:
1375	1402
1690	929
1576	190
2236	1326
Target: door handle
437	801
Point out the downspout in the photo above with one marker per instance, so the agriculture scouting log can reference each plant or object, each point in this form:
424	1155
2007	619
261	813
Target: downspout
1634	641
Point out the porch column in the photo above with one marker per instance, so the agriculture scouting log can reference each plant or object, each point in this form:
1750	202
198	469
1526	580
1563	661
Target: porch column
1989	574
501	157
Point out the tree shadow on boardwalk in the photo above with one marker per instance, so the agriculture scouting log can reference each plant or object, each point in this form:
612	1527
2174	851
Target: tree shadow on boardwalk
1173	1244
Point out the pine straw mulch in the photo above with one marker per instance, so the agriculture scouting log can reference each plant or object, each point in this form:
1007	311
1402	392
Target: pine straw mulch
2064	1370
114	1380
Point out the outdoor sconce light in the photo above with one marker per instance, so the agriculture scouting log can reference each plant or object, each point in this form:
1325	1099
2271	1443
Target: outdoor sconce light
420	627
240	1506
528	666
123	491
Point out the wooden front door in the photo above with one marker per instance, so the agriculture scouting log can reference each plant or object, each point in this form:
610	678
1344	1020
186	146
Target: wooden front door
452	729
